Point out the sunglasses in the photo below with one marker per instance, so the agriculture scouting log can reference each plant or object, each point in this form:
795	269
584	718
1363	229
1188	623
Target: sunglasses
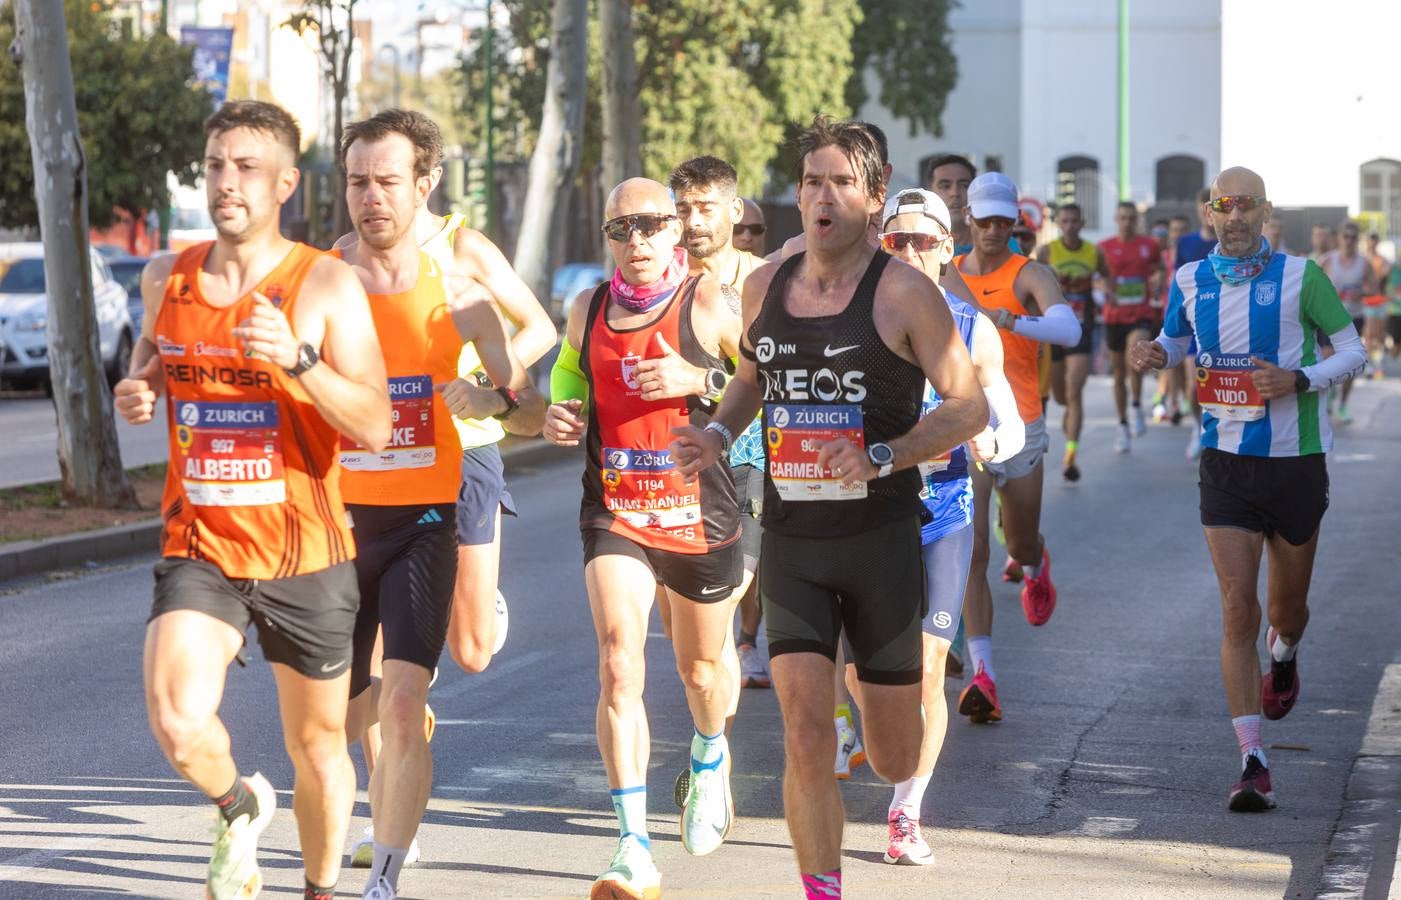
645	224
923	242
756	228
994	222
1242	202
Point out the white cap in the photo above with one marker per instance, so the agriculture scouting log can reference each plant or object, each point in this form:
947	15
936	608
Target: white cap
993	194
916	200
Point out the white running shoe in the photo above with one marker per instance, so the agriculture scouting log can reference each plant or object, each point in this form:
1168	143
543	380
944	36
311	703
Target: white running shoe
710	807
850	753
1160	413
631	874
1122	442
503	623
380	889
1140	427
752	671
362	852
233	864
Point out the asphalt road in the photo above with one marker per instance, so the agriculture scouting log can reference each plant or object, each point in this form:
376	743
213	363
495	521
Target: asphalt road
1107	777
28	451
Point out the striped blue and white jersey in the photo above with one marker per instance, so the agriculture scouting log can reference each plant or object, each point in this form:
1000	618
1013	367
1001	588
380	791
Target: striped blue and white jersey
1275	317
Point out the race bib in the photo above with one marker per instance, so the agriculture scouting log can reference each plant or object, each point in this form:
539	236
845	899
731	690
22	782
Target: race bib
795	435
643	489
1130	290
230	453
1225	388
411	439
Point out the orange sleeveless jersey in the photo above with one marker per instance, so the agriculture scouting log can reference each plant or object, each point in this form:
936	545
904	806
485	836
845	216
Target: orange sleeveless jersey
253	486
423	462
1019	354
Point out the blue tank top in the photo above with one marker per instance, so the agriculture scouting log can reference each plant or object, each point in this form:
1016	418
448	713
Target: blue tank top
946	489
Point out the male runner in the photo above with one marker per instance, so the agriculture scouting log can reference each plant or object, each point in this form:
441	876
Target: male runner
402	500
1135	265
1374	312
1023	299
1322	239
916	230
838	345
1353	278
949	177
1264	481
798	242
1274	233
1076	263
1196	245
643	354
268	354
749	233
1170	401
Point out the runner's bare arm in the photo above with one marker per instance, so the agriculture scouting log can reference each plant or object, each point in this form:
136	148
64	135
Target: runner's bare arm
134	397
479	323
350	389
535	335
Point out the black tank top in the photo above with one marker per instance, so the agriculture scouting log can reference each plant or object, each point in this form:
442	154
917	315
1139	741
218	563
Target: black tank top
824	377
631	486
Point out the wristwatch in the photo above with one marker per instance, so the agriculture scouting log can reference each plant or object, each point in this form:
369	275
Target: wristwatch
1301	382
882	457
726	439
714	384
512	404
306	358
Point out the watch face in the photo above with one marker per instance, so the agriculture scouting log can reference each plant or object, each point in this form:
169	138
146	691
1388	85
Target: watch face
881	454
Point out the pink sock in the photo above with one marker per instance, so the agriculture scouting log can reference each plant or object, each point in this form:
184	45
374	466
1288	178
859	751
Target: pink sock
828	884
1248	737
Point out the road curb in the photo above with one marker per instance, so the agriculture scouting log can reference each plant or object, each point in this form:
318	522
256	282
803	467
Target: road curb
73	550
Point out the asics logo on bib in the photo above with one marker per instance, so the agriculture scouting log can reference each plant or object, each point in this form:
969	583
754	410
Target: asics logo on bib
805	384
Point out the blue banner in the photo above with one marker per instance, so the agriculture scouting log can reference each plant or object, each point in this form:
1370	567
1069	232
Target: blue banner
212	49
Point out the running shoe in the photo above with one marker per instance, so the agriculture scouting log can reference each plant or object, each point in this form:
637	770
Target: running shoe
1069	470
979	700
752	673
682	788
380	890
710	808
630	876
1160	411
1252	793
1012	571
1279	687
850	753
1039	594
907	846
1140	427
1194	444
362	852
503	623
233	865
1344	417
1122	442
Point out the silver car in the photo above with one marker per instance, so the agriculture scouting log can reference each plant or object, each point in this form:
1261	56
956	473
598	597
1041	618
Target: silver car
24	315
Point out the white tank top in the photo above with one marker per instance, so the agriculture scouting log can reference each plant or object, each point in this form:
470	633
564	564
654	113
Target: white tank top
1348	278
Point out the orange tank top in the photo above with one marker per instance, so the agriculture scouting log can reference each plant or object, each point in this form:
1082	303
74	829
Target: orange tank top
1019	354
423	463
253	486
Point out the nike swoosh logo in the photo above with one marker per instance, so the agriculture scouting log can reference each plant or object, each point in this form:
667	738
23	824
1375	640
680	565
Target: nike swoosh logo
830	351
987	291
327	667
706	592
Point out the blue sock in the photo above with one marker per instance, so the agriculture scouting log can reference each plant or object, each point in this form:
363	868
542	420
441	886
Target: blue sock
707	752
630	805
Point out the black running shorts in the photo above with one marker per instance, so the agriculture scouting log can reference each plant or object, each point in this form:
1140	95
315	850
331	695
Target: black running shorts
702	577
1285	495
406	563
749	492
871	583
1087	336
304	622
1116	337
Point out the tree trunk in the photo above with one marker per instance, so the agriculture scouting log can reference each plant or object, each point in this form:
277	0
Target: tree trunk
555	161
88	455
622	117
340	84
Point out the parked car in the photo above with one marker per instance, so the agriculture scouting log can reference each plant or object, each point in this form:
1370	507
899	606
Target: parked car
568	281
127	271
24	315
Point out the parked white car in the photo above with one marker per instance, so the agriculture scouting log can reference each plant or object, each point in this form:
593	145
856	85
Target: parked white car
24	316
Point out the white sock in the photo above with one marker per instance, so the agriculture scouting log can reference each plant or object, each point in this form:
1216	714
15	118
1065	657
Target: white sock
1031	571
1282	652
980	653
909	796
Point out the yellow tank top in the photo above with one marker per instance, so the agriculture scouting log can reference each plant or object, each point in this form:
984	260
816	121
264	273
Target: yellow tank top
1075	268
471	432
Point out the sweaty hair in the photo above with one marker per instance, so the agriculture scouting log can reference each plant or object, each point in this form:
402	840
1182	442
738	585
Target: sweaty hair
854	140
949	159
257	115
881	143
1071	207
704	172
421	131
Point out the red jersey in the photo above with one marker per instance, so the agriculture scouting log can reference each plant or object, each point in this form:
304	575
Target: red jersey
1130	264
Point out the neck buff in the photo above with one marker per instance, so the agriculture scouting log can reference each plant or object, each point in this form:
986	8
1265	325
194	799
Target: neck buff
642	297
1239	269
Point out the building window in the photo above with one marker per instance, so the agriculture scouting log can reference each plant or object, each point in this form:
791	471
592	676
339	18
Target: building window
1077	181
1381	193
1179	178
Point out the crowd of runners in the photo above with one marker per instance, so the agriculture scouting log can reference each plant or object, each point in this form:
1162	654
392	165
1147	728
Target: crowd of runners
800	459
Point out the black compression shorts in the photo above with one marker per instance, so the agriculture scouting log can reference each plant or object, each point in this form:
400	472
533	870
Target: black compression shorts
749	492
702	577
1116	336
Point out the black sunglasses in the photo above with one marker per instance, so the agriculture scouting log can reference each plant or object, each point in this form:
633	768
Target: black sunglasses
756	228
645	224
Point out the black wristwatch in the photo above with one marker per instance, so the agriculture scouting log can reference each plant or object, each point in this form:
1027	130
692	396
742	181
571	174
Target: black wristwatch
306	358
882	457
512	404
1301	382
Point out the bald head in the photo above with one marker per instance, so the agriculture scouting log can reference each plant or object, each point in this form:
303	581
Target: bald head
749	234
1237	180
1238	228
639	195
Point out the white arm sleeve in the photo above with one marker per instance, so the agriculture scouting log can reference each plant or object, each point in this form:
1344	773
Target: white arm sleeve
1057	326
1347	361
1006	421
1176	348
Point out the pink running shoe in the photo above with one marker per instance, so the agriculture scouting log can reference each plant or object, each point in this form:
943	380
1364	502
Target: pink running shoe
1039	594
907	846
1279	687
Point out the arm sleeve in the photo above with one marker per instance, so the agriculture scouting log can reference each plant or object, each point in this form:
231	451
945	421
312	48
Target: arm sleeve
1008	428
1347	361
567	381
1321	308
1057	326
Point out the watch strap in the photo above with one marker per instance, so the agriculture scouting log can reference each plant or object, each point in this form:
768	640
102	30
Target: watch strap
512	402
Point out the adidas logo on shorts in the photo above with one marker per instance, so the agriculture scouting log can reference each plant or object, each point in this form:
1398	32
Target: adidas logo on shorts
430	518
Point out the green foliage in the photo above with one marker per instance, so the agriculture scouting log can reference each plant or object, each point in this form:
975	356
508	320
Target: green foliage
138	115
906	45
